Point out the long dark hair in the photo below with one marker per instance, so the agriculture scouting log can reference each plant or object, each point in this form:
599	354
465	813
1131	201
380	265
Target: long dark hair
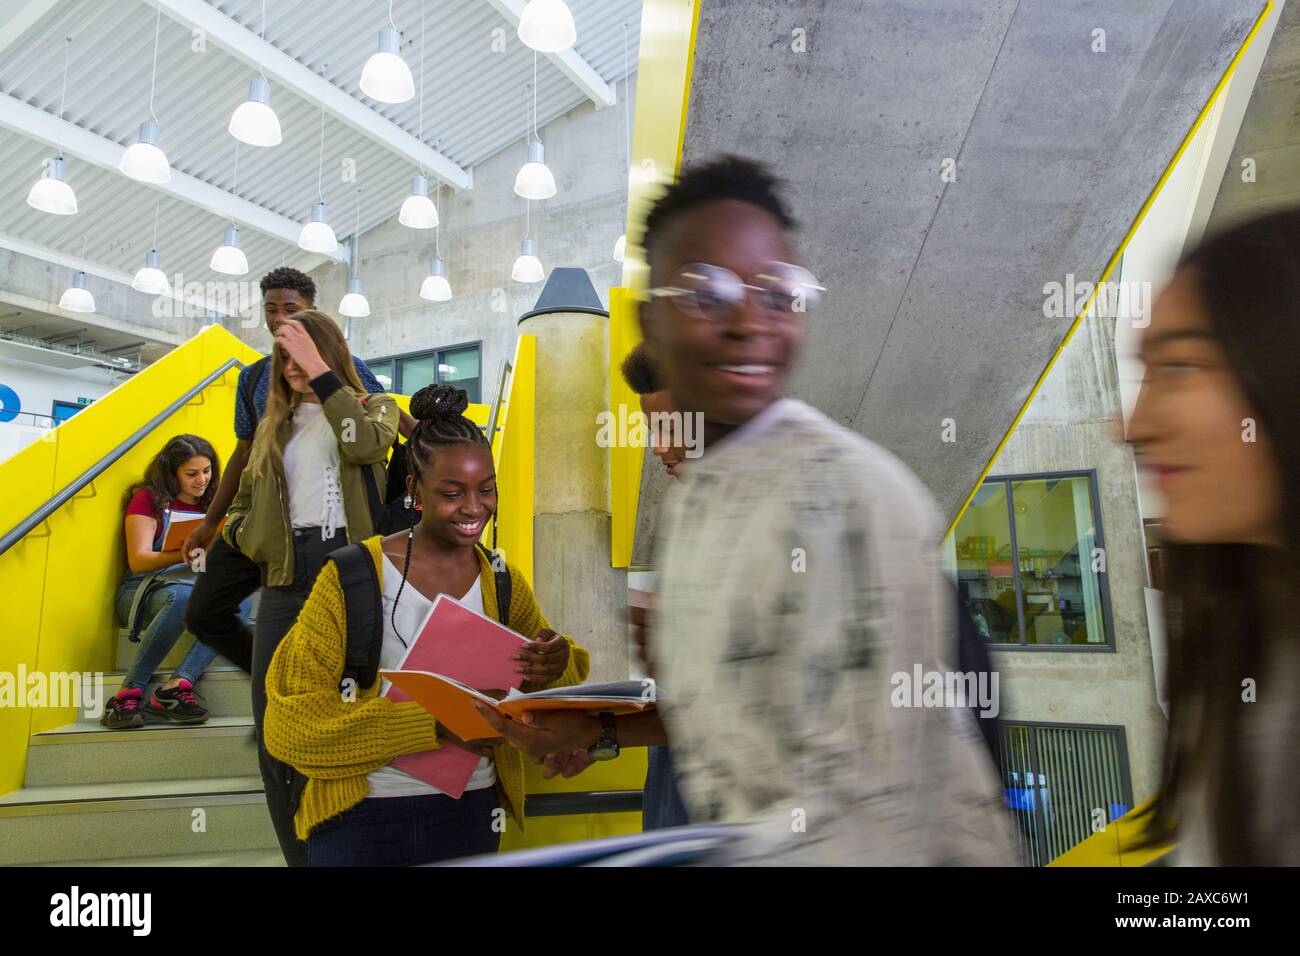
439	413
1224	617
160	475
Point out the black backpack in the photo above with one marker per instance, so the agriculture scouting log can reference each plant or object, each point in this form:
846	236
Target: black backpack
363	605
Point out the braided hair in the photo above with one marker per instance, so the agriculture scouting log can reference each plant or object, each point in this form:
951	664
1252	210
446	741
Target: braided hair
439	411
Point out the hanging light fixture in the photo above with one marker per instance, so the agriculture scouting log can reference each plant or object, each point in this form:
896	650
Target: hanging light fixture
354	304
435	287
527	267
418	212
51	193
386	77
534	180
620	245
547	25
77	298
316	234
254	122
150	278
229	259
144	159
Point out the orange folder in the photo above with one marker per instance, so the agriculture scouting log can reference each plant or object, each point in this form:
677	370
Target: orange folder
179	526
452	702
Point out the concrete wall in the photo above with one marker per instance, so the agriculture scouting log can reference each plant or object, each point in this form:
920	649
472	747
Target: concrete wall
934	282
1075	424
481	231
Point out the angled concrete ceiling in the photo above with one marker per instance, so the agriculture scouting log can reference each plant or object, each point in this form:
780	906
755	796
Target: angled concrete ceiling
935	308
935	298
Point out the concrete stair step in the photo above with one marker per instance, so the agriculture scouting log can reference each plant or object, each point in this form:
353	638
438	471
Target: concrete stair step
143	820
226	691
86	752
242	858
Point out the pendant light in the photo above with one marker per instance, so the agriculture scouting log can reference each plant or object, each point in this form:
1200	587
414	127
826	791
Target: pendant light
316	234
51	193
386	77
417	211
534	180
254	122
620	245
150	278
527	267
77	298
435	287
547	25
354	304
229	259
144	159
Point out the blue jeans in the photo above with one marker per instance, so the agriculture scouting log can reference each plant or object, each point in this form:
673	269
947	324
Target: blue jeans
662	804
163	622
408	831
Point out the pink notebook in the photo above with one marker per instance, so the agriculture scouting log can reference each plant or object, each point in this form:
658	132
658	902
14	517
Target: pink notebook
473	649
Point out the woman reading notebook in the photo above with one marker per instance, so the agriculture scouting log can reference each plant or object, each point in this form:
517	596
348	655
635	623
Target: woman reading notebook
356	808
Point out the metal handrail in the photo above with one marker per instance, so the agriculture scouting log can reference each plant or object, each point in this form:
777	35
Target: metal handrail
496	402
94	471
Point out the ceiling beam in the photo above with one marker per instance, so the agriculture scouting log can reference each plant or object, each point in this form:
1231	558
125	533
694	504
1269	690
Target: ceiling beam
193	302
578	70
19	16
39	308
283	69
37	124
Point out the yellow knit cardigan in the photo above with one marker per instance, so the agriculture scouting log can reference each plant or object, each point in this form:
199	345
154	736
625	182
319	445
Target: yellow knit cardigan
335	743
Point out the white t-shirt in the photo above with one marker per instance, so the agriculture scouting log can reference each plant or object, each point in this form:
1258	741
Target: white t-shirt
311	470
411	611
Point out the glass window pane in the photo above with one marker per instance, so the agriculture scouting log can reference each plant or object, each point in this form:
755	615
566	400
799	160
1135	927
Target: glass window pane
984	564
384	372
1055	537
417	372
460	367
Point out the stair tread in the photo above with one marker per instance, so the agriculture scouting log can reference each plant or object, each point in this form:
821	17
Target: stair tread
218	671
267	857
129	790
93	726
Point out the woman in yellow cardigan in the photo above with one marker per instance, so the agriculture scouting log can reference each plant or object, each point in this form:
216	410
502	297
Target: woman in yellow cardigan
356	808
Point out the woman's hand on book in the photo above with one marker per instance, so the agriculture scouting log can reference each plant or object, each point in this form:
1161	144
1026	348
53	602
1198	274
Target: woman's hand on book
543	660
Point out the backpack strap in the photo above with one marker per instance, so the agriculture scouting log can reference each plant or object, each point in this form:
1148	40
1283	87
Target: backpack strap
252	375
501	574
364	610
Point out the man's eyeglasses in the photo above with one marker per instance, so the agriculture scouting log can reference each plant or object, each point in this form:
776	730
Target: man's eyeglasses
711	292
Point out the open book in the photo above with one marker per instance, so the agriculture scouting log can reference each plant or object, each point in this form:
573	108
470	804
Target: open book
452	702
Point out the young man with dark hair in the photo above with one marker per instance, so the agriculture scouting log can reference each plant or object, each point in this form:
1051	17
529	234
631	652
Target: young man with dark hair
798	576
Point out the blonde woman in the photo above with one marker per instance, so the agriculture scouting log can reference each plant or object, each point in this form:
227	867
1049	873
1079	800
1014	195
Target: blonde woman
317	454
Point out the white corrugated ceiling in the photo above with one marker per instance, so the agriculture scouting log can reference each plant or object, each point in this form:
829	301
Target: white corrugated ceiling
473	108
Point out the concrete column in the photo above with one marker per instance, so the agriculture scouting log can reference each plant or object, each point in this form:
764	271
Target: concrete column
579	592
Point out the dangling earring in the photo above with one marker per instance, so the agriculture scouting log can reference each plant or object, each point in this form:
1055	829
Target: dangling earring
406	502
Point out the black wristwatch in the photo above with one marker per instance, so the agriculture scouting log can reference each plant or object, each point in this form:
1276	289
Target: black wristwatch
606	745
